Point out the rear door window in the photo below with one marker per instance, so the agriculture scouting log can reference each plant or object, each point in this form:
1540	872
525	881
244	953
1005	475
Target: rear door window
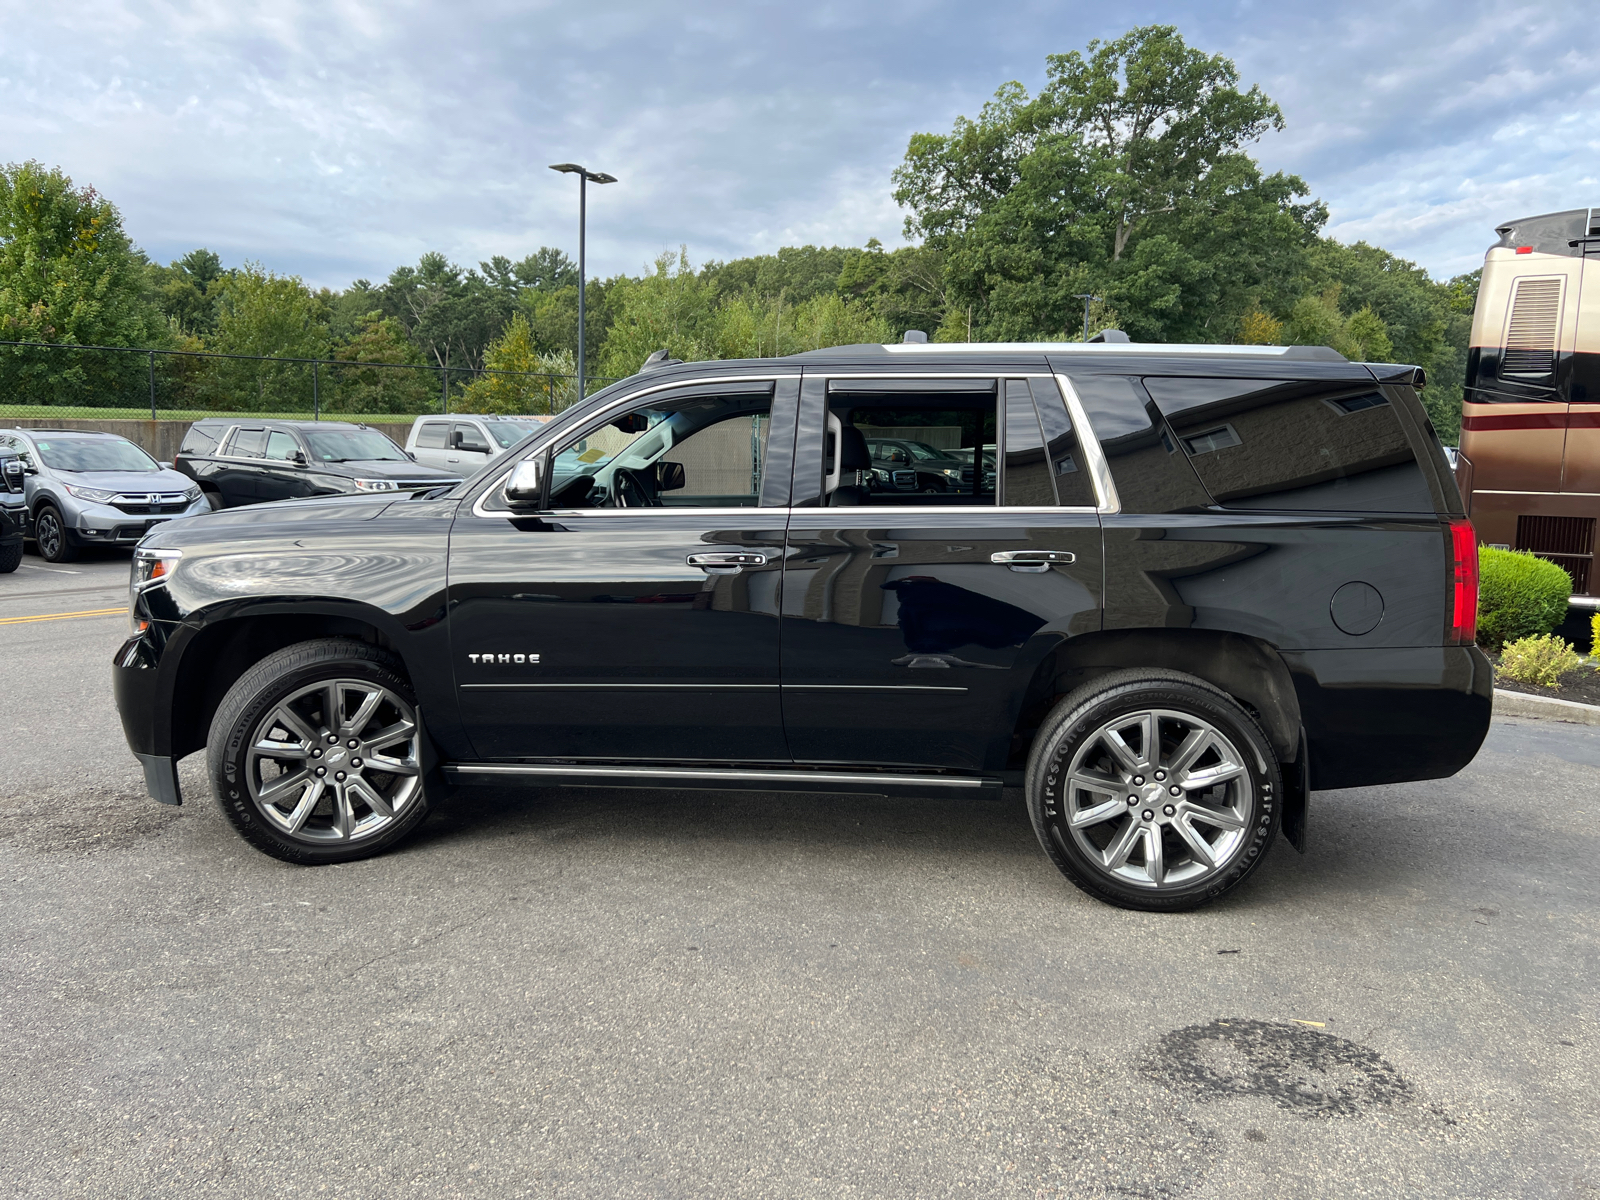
248	443
1285	444
431	436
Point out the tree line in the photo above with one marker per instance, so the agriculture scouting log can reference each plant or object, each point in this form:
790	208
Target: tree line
1125	183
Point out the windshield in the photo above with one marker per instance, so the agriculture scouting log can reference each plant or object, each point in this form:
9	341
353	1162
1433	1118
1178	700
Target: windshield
508	433
353	445
96	454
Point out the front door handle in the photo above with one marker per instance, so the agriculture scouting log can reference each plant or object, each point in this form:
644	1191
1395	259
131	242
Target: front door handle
1035	562
727	562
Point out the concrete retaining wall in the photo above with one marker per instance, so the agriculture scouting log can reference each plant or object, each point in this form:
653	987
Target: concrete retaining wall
160	439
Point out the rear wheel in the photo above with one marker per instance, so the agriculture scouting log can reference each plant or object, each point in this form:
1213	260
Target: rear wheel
315	753
51	537
1153	790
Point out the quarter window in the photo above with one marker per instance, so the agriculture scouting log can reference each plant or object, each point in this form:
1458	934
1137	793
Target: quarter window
1286	444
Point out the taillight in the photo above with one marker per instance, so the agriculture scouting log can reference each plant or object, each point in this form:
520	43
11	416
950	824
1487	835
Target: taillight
1463	623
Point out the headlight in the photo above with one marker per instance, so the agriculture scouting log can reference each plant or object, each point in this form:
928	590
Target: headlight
952	470
376	485
151	567
192	494
92	495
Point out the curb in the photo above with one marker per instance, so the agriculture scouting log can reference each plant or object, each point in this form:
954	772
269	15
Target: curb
1519	704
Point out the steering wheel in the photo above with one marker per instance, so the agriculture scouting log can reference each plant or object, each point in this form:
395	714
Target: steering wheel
631	490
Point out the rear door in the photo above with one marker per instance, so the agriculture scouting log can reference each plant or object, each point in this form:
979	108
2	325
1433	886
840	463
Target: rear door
239	472
913	623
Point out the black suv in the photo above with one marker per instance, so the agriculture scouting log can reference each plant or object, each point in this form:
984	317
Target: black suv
1207	580
241	461
936	471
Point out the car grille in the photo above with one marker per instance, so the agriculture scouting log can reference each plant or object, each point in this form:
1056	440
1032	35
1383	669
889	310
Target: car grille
408	485
966	475
153	502
904	479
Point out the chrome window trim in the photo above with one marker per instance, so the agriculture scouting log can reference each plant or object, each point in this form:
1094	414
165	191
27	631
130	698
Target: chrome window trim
1105	489
985	511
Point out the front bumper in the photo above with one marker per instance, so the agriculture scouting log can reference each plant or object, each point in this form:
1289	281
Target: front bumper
105	525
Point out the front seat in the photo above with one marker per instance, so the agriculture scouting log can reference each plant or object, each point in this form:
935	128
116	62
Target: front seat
853	456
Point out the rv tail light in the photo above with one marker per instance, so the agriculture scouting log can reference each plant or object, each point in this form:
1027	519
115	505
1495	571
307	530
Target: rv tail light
1524	249
1462	626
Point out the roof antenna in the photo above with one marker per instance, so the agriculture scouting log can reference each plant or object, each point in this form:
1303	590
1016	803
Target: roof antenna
658	359
1110	335
915	337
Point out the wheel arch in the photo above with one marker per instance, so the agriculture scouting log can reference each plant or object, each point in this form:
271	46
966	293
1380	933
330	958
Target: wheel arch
1247	668
215	655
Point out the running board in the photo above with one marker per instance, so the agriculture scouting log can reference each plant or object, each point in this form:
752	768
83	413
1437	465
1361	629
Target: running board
742	778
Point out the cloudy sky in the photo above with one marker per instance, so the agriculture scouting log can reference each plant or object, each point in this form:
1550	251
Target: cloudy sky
339	138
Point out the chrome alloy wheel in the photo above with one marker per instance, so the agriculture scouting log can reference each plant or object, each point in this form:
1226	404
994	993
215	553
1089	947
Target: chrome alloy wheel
1158	799
47	534
335	762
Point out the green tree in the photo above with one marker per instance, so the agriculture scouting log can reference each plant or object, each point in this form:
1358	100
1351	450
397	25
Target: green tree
1126	178
382	377
542	383
182	290
450	314
262	313
68	273
908	288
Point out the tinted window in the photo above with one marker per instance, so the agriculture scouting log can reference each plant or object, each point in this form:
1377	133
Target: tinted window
1281	444
508	433
281	445
1150	473
431	435
1027	470
201	439
82	454
1073	485
248	443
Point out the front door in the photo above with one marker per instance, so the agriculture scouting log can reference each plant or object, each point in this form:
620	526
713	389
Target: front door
913	623
636	618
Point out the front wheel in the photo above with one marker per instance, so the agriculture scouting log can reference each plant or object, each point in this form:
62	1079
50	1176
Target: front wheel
1153	790
315	753
51	537
10	557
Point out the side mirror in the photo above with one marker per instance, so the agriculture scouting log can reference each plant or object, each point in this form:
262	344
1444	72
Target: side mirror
455	439
669	476
526	484
166	466
297	457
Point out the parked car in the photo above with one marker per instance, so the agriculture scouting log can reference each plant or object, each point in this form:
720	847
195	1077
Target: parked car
937	470
240	461
1209	580
85	488
466	443
13	510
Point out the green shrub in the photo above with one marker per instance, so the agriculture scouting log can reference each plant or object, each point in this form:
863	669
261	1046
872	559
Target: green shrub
1541	661
1594	635
1518	596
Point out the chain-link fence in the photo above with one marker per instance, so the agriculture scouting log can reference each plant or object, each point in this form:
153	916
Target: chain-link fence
65	382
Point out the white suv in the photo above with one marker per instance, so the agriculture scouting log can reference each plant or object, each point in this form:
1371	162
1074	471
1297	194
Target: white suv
466	442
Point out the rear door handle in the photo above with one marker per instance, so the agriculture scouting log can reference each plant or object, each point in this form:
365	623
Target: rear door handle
727	562
1032	561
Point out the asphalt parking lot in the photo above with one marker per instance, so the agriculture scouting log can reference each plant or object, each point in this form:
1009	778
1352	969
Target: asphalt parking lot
628	994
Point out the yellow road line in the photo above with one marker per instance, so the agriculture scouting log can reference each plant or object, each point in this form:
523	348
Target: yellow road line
90	612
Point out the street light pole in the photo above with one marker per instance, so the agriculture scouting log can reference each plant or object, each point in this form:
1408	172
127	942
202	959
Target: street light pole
1086	298
585	178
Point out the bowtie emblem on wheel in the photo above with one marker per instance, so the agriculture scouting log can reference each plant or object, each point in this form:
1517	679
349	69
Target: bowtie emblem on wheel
506	659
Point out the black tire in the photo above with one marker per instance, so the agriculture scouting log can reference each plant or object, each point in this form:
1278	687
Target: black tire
51	536
245	716
214	500
1084	829
10	557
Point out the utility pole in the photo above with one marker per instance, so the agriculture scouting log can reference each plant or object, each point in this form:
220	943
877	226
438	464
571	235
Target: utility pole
1086	298
585	178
